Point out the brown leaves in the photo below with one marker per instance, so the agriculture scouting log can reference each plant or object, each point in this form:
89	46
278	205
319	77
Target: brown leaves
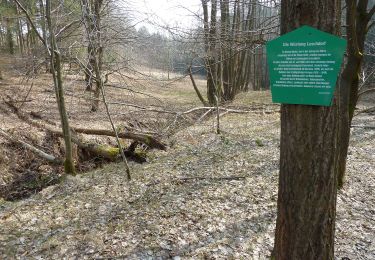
206	215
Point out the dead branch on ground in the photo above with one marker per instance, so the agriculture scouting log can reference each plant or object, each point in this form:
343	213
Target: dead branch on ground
104	151
48	157
146	139
142	138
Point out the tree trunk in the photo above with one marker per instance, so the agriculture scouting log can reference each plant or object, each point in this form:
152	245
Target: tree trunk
91	14
28	44
59	91
196	88
44	32
87	14
225	50
357	20
31	34
1	32
98	54
306	205
20	31
9	36
56	70
209	40
244	60
149	140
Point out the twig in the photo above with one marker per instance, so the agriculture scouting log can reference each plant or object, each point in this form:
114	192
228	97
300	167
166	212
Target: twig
368	110
156	110
366	91
23	101
27	95
67	27
204	115
102	91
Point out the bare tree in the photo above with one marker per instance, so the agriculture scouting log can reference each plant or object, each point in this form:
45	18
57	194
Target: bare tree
358	21
231	43
56	70
210	45
91	13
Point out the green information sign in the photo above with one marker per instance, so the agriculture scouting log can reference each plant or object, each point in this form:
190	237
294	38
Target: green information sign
304	65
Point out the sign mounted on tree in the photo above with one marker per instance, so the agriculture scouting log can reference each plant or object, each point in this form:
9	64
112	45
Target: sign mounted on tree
304	65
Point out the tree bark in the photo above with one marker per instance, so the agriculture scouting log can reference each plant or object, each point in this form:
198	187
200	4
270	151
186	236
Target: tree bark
55	59
224	49
20	31
357	19
307	193
204	102
91	14
210	43
9	36
44	32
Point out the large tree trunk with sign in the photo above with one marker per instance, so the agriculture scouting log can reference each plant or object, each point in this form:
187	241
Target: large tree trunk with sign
306	205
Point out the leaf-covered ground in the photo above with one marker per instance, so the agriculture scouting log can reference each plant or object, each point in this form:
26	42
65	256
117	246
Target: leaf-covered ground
208	197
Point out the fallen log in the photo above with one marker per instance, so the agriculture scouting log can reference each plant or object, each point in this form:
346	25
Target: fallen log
48	157
149	140
104	151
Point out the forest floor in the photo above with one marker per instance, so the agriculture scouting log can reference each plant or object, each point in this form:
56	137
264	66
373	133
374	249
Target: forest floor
209	196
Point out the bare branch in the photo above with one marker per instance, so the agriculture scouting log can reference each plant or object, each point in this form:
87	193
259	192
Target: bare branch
204	102
31	23
371	13
67	27
367	110
366	91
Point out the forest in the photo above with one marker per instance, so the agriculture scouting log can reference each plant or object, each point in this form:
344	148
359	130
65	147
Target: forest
152	130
